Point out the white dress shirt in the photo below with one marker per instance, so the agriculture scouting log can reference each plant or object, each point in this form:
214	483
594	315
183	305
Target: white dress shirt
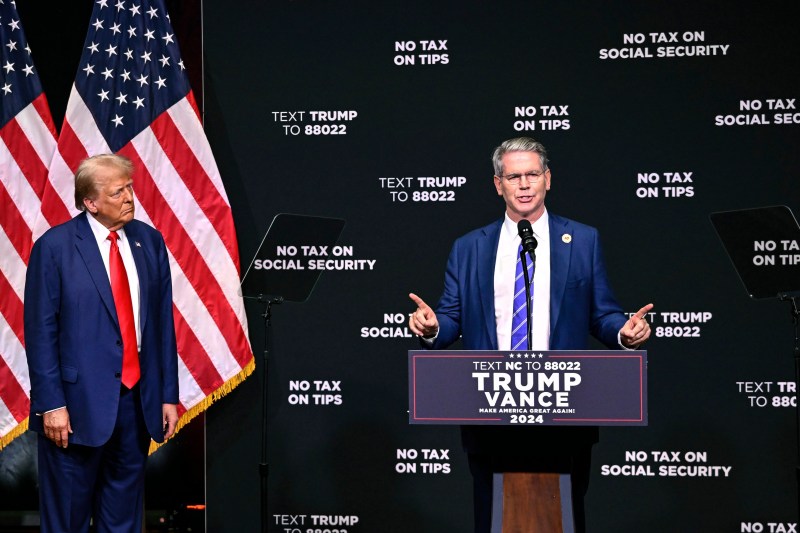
101	235
504	273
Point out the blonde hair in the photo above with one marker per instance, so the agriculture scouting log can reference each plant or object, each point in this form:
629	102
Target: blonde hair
85	186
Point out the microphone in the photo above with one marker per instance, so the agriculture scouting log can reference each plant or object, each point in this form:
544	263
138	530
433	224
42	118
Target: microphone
528	240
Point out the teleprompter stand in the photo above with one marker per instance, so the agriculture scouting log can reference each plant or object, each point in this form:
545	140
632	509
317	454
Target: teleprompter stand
763	244
279	272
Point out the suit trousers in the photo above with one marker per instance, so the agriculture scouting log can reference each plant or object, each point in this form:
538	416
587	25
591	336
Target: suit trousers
105	482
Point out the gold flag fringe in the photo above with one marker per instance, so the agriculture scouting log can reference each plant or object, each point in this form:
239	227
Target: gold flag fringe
187	417
21	428
226	387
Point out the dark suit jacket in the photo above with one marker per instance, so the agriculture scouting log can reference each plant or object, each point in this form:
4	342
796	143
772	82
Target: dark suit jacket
72	335
581	303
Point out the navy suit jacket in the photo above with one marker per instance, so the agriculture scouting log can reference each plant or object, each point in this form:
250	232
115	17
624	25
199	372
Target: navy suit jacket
72	335
581	303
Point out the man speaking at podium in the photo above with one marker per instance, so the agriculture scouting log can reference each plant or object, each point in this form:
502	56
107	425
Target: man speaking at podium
571	298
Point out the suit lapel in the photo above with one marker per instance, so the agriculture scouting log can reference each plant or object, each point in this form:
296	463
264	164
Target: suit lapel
487	257
90	253
560	253
138	252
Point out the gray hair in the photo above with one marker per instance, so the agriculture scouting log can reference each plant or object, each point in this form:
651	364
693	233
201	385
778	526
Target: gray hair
85	186
519	144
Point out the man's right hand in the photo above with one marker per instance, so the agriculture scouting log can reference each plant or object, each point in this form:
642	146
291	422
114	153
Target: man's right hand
56	426
423	321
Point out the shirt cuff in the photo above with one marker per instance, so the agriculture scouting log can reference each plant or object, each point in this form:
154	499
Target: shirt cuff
428	341
619	341
51	410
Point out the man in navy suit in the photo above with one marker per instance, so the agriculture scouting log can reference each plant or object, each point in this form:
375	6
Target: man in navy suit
571	300
94	409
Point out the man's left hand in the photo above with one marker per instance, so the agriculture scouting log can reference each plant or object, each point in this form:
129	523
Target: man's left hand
169	416
636	330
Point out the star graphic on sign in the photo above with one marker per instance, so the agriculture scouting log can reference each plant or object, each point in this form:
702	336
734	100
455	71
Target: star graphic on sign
117	120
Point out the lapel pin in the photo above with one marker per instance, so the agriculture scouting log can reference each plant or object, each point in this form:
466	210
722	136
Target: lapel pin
566	238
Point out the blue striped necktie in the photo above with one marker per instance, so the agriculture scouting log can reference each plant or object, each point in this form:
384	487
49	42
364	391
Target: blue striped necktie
519	320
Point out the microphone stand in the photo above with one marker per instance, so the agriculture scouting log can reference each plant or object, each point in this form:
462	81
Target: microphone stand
528	309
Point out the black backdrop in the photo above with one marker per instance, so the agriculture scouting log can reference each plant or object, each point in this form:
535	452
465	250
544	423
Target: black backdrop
630	119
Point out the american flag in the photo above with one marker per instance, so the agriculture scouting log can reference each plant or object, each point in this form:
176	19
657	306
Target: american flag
27	144
131	96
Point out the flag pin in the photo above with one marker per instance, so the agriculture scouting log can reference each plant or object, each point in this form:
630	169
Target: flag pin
566	238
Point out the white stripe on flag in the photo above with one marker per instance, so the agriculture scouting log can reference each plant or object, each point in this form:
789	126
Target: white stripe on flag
19	189
192	131
11	265
190	393
14	355
30	121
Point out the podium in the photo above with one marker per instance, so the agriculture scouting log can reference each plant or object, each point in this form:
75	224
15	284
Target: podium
527	390
528	502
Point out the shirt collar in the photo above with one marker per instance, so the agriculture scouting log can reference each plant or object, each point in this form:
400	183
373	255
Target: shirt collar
101	232
540	228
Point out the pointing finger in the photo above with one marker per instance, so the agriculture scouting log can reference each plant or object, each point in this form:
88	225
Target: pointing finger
641	313
419	301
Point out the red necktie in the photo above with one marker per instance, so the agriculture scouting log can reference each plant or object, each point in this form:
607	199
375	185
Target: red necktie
122	301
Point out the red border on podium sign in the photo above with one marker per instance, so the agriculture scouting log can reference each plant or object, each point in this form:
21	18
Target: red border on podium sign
528	388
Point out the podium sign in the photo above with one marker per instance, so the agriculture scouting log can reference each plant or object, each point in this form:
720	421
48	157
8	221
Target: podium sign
557	388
